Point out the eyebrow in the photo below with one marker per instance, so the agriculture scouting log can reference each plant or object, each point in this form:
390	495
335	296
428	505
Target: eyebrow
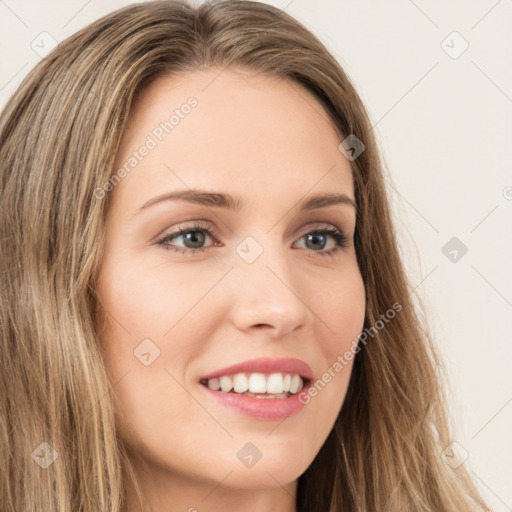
227	201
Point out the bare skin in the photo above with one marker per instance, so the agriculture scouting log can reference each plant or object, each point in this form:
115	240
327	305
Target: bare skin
270	143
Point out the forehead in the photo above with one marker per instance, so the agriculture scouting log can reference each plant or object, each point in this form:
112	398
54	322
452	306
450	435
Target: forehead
238	130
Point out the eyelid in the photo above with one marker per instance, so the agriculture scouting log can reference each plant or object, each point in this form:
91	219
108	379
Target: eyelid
187	225
319	225
342	240
209	226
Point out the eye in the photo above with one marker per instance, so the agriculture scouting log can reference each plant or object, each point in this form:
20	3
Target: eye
194	238
319	237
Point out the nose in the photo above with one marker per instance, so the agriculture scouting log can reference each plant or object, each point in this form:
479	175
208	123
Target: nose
269	296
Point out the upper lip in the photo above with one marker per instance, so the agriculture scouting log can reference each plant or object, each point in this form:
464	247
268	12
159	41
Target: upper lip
265	365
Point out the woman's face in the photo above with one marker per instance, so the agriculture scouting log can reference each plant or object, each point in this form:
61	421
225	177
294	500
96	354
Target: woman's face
254	283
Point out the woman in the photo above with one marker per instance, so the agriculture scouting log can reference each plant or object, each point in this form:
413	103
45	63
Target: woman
271	361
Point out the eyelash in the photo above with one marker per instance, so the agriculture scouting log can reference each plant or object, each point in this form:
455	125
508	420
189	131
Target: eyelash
338	236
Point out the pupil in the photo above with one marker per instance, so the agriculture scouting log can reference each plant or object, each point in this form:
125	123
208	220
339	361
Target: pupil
315	238
192	236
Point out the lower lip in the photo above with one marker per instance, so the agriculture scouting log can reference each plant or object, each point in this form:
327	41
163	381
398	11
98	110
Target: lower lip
261	408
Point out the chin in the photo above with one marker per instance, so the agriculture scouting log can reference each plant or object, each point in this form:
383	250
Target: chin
265	476
260	464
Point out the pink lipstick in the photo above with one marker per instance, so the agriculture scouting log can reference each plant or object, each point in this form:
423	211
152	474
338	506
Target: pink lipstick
263	388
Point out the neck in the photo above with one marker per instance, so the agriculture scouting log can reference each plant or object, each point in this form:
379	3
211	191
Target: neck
163	491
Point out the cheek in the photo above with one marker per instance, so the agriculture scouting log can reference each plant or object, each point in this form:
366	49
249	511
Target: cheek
147	301
145	372
146	319
343	308
341	311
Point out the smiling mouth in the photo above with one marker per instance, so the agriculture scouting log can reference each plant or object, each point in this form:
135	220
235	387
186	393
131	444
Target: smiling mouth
258	385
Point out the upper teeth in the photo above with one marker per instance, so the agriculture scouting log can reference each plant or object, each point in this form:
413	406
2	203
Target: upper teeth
274	383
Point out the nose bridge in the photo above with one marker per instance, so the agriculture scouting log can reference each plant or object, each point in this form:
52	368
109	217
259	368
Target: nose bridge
267	287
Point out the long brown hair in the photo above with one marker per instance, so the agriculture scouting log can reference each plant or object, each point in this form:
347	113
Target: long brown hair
59	135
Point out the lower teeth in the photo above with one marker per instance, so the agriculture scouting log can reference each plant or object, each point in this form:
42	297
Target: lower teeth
265	395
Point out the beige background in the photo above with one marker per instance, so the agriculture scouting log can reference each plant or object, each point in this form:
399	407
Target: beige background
443	119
